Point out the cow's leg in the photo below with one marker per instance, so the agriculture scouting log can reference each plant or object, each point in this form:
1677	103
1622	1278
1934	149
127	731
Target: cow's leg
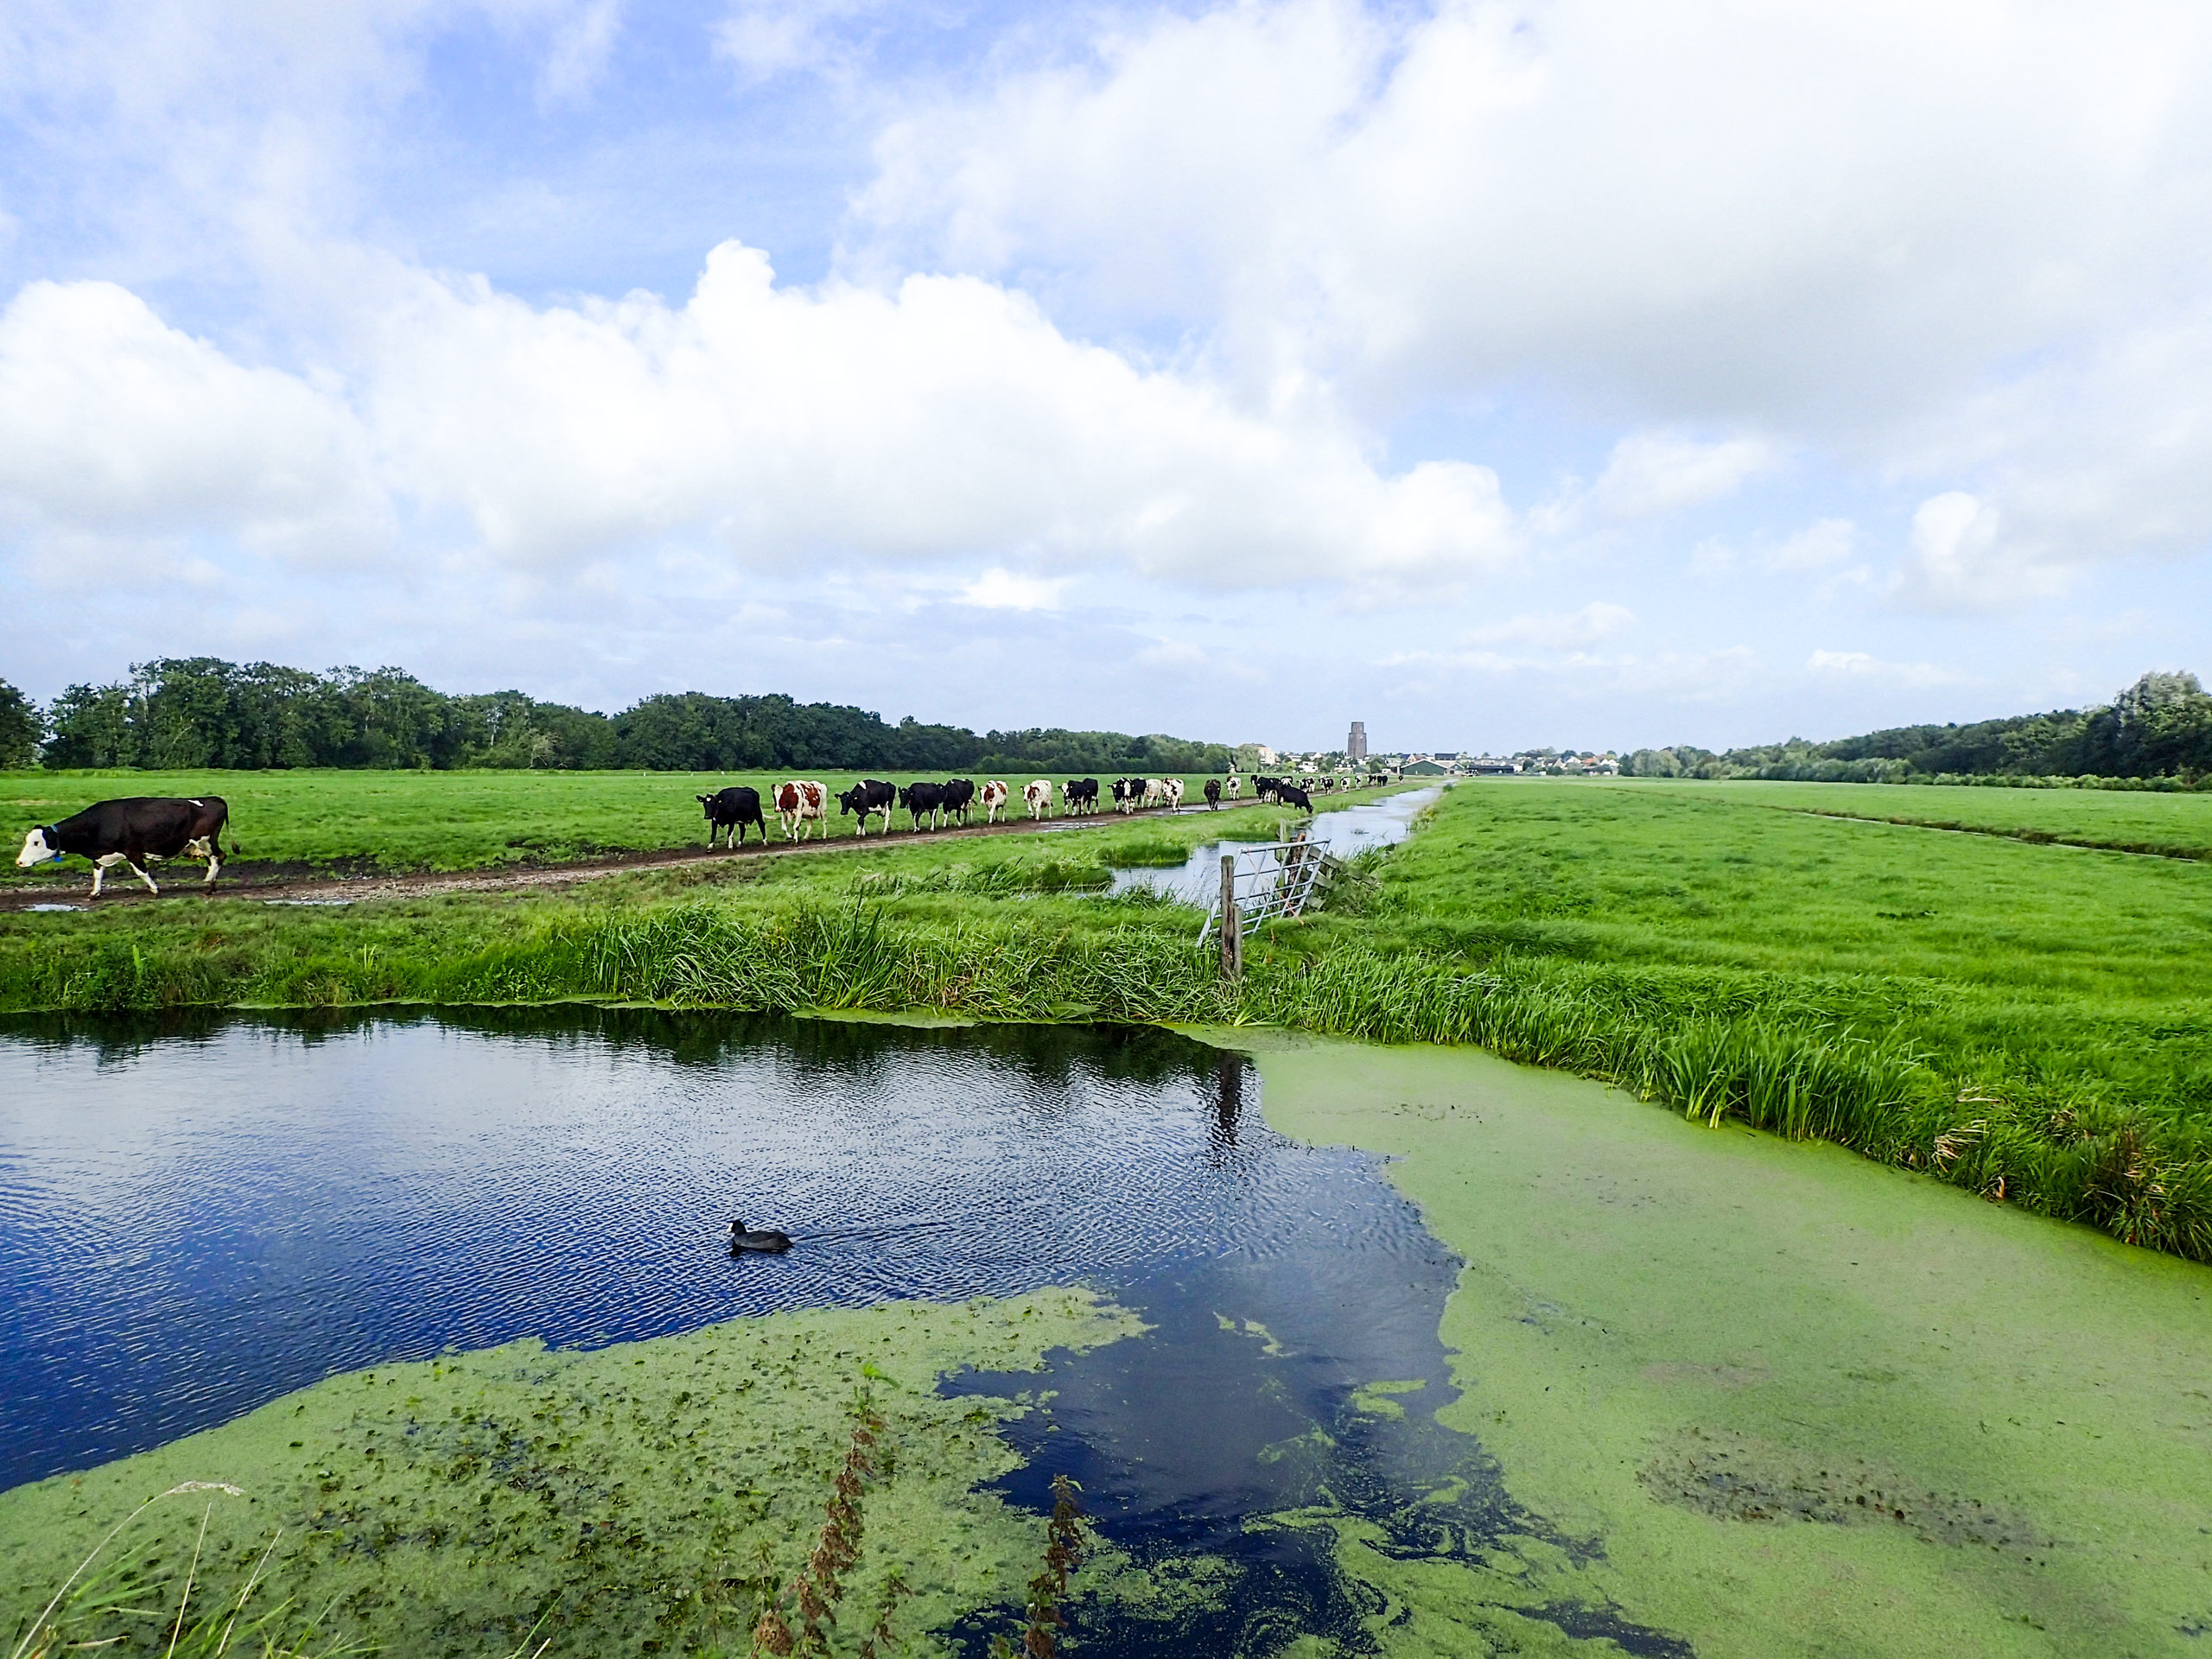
138	869
214	860
100	870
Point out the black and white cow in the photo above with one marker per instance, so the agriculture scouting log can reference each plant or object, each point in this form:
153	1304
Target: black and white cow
959	797
1081	794
1127	792
135	830
1213	794
1265	788
923	800
1291	795
732	809
869	795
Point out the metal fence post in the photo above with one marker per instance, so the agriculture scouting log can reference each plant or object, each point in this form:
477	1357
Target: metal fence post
1232	924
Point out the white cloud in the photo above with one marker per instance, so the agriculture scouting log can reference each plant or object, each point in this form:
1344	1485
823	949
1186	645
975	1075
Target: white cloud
839	422
1569	631
1005	590
117	429
825	426
765	38
1652	473
1954	245
1957	561
1860	665
577	50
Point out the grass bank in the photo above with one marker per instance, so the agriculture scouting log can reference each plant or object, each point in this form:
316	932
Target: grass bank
2024	1020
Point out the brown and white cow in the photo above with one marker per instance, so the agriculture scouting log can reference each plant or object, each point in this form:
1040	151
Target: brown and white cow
993	796
798	802
1037	794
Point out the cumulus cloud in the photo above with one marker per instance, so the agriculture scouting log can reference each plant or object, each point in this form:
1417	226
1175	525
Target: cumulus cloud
1958	559
788	427
1941	244
115	427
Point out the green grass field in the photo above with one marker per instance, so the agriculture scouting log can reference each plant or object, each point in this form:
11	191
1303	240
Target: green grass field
2024	1019
410	821
2177	826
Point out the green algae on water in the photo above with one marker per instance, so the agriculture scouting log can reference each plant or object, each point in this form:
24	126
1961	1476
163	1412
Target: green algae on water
639	1498
1767	1397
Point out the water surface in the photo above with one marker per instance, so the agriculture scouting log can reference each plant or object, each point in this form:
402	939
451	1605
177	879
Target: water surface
194	1221
1345	832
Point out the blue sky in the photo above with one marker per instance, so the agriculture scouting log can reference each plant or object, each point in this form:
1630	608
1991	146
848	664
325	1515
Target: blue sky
1498	374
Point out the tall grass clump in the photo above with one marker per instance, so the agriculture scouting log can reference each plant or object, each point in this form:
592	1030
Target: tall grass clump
115	1601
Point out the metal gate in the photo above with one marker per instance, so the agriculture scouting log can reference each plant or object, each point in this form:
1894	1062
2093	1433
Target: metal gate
1283	878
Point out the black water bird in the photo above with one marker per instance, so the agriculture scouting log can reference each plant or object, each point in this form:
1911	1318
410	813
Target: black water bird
767	1240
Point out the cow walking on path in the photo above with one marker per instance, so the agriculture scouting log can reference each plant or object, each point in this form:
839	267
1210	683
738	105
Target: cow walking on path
1213	794
994	796
869	795
1080	795
923	800
798	803
135	830
732	809
1037	795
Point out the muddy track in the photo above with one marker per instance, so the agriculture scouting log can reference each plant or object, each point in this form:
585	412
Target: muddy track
292	886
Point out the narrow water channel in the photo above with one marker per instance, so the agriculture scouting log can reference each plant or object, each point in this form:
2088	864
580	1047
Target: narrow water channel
1345	832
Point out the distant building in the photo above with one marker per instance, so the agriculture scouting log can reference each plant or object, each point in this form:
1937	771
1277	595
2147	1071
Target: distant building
1355	745
1424	769
1487	767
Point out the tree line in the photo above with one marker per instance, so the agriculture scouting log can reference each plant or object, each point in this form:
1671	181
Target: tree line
2160	728
189	713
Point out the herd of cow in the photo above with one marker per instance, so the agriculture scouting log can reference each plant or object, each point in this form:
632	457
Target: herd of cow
141	829
803	804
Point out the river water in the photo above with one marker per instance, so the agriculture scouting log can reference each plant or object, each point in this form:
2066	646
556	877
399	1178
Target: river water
193	1223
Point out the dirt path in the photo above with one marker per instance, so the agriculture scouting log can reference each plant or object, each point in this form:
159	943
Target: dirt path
180	879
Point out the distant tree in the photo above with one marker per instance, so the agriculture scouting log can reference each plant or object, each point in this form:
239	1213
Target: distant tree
22	727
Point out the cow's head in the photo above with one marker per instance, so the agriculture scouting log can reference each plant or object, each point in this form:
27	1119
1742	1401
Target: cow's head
38	847
707	803
849	802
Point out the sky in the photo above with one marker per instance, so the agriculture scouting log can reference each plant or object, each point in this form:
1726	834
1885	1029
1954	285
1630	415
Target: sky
1498	374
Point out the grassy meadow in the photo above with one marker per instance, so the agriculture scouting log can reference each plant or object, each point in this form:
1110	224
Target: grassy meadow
2174	826
2023	1019
418	821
